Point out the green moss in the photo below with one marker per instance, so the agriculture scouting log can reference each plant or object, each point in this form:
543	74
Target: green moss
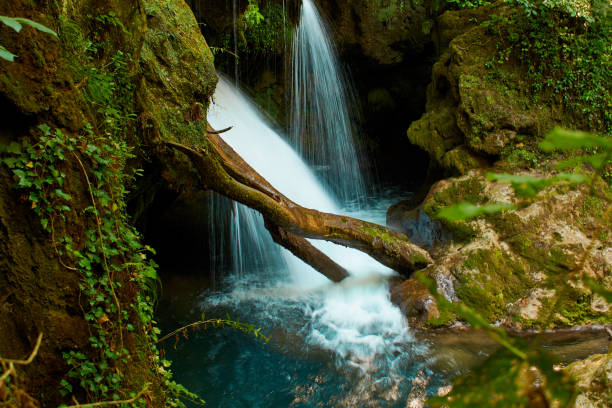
491	306
445	318
431	133
383	235
506	223
489	280
470	190
578	311
461	160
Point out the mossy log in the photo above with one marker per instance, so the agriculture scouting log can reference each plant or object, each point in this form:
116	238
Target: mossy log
222	170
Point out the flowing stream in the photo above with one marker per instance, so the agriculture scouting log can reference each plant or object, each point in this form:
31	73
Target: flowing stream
330	342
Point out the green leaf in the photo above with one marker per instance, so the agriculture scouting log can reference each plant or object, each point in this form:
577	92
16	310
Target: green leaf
465	210
563	139
597	161
45	129
11	22
63	195
504	381
14	148
529	186
23	182
6	54
36	25
599	289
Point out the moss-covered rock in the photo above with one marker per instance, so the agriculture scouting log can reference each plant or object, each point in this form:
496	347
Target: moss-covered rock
123	75
478	102
593	377
523	267
178	72
381	30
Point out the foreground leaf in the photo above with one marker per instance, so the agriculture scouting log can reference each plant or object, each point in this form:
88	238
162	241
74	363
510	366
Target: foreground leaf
11	22
529	186
6	54
465	210
563	139
36	25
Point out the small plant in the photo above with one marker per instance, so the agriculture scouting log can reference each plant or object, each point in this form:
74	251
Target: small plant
252	15
467	4
216	323
565	52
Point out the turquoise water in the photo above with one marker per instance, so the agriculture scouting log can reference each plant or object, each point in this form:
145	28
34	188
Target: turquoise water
331	345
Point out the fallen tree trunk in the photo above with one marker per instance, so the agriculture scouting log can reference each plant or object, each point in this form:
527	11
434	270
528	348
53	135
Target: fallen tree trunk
307	252
225	172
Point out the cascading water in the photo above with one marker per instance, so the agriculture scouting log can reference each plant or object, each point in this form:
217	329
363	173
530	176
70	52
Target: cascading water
353	323
320	127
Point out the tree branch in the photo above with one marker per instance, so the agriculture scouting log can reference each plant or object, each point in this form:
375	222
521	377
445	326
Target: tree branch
222	170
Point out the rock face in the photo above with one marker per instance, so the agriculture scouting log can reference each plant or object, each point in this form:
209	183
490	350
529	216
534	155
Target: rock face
472	111
167	83
381	31
510	267
593	377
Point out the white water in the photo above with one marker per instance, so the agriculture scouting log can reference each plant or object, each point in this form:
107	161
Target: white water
355	319
321	128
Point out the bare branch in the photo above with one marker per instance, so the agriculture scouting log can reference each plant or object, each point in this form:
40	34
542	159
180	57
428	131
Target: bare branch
118	402
30	358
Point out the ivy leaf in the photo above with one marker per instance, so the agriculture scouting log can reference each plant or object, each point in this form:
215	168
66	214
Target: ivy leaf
63	195
36	25
11	22
14	147
6	54
465	210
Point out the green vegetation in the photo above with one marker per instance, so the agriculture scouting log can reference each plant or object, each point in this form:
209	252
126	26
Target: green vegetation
111	248
469	191
118	281
260	31
565	48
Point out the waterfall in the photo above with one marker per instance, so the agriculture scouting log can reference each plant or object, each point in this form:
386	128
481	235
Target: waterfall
355	319
320	127
353	322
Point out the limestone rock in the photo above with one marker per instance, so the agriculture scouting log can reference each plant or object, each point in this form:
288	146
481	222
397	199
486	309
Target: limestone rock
512	267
